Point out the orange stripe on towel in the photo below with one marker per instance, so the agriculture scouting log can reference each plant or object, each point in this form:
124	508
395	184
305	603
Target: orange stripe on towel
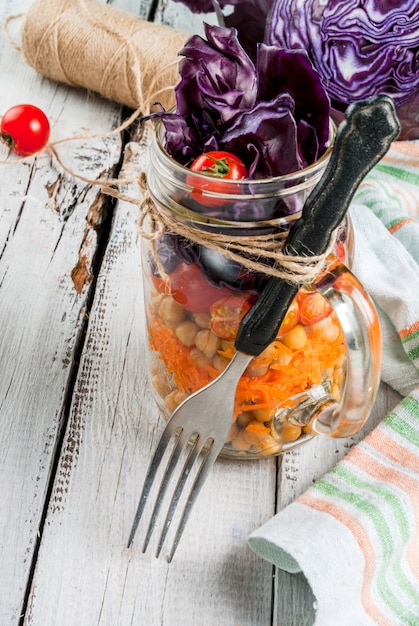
366	462
393	450
405	332
367	549
405	147
400	224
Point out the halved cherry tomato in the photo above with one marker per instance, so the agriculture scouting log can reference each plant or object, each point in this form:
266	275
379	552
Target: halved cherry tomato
340	251
313	308
190	289
291	318
226	315
219	166
161	285
25	129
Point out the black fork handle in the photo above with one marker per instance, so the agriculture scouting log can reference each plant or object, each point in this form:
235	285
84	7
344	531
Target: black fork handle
362	139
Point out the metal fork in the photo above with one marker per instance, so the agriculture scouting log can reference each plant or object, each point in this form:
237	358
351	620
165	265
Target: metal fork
199	427
202	433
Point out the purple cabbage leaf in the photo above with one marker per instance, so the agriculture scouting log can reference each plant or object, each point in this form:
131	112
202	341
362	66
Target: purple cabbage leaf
273	114
359	48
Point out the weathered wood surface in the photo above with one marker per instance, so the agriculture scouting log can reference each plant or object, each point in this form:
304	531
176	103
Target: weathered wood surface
77	421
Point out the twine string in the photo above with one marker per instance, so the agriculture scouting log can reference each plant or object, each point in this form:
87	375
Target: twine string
257	253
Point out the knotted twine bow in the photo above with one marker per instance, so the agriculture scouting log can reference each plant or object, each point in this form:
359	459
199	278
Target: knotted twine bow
257	253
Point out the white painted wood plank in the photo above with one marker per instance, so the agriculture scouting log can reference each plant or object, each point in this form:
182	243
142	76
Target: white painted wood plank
85	573
178	15
43	229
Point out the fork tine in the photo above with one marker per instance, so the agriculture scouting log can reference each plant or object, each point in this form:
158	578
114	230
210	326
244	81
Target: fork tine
180	444
151	474
187	466
206	464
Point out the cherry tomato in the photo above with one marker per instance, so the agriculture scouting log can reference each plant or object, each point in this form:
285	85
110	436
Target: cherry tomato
313	308
291	318
219	166
226	315
25	129
190	289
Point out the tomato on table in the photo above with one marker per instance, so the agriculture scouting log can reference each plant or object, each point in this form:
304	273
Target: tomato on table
313	308
219	166
226	315
190	289
25	129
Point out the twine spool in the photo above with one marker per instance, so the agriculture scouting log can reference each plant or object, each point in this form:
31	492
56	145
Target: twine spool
89	44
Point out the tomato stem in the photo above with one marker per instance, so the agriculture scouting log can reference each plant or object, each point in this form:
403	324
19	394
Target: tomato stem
219	169
9	142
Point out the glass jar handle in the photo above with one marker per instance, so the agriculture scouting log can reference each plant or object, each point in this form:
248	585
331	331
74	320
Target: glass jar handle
359	321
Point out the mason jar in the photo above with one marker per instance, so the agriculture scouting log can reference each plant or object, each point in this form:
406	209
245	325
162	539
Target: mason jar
207	268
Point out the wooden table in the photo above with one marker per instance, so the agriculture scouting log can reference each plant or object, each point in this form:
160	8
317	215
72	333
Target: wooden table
77	420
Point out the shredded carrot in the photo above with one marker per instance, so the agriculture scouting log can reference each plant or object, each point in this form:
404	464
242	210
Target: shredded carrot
271	389
253	407
258	428
188	374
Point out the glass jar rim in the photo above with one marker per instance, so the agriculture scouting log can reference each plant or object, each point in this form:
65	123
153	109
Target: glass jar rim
167	178
281	182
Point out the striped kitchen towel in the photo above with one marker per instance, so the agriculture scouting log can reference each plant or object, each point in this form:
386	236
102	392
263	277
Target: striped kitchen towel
385	217
355	532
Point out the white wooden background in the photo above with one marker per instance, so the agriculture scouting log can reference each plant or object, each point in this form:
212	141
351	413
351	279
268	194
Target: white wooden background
77	422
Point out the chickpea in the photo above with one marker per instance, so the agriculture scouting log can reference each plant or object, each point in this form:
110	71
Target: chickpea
290	432
257	368
328	373
239	442
267	443
199	357
243	419
202	320
251	438
296	339
263	415
220	362
321	325
186	332
283	356
227	345
172	401
330	333
207	342
170	311
155	302
270	353
161	385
